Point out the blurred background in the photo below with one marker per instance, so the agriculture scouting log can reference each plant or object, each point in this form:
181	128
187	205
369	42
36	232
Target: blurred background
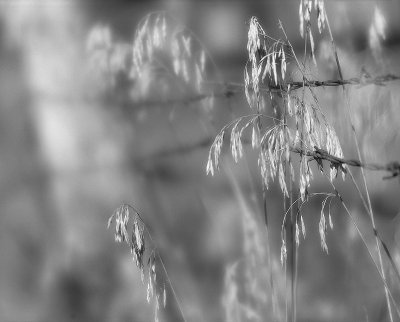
77	141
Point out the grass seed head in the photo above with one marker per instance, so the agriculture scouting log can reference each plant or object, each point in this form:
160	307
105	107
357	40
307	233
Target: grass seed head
322	232
283	252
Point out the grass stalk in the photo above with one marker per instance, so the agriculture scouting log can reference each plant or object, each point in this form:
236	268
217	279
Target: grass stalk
363	239
349	114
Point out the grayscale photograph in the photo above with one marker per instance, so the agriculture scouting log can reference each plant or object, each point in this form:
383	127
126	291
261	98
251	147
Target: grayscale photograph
199	161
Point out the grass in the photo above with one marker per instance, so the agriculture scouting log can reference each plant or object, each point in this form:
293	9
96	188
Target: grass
289	131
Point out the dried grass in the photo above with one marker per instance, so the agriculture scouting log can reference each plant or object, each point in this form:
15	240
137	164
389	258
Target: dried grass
287	139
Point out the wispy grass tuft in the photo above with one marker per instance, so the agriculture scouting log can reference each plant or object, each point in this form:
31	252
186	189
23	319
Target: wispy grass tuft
131	230
287	127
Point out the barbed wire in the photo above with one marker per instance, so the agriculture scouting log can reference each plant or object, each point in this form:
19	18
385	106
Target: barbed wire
319	155
363	81
295	85
229	89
